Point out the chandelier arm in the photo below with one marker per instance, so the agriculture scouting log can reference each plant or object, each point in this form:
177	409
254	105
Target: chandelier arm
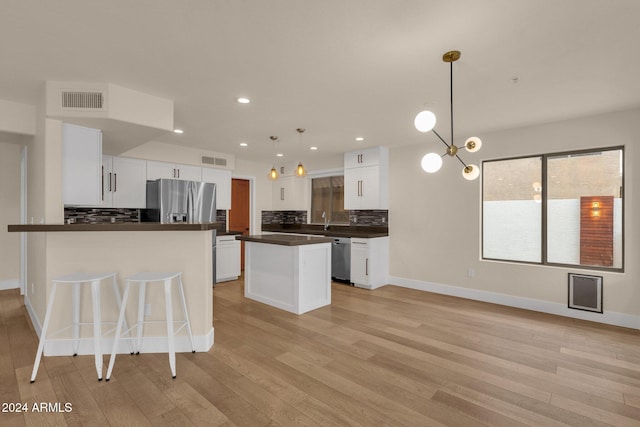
463	163
439	137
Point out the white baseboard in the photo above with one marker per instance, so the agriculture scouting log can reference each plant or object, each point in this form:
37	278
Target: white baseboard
608	317
9	284
154	344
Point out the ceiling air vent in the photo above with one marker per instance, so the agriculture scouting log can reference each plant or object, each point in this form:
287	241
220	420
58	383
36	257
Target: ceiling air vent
82	100
216	161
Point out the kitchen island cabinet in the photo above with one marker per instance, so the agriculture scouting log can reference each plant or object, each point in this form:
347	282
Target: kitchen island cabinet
292	273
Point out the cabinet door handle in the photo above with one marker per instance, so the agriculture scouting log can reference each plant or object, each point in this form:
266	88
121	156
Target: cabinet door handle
366	267
102	188
178	172
361	188
281	193
115	182
110	181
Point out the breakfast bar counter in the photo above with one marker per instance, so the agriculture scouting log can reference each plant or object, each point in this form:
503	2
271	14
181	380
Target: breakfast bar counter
292	273
126	249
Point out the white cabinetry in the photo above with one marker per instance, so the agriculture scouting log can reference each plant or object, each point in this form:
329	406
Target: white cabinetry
290	193
366	174
227	258
158	170
123	182
369	262
222	179
81	160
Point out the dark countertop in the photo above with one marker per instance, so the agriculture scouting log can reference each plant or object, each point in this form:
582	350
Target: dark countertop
123	226
228	233
285	239
364	232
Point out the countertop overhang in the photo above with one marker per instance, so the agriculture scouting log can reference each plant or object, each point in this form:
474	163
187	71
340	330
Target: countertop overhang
285	239
364	232
127	226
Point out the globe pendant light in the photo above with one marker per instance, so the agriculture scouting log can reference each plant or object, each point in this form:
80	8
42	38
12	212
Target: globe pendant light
300	170
273	173
425	121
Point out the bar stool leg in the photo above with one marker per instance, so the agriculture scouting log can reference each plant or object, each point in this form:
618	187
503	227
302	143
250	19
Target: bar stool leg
97	330
116	292
43	333
76	318
142	290
186	314
170	332
121	317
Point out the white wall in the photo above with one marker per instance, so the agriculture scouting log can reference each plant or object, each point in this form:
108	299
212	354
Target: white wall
434	221
9	214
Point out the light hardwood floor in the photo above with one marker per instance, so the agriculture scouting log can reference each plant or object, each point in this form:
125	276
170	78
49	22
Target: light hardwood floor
392	356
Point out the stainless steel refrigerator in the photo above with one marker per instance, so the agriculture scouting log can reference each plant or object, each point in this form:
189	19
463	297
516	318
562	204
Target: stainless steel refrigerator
179	201
175	200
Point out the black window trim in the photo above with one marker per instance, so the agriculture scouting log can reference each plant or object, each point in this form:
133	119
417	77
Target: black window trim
543	229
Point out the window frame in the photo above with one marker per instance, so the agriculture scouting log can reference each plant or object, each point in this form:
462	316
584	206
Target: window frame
543	229
329	175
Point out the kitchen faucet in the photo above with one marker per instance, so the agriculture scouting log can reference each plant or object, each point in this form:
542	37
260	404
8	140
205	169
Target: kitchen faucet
326	222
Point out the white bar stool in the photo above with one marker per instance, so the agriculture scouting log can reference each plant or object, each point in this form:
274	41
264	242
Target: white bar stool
77	279
142	279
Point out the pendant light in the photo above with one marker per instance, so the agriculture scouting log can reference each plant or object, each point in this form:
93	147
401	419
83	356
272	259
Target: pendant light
425	121
300	170
273	173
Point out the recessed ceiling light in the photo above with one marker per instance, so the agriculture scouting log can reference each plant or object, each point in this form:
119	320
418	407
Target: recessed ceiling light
359	138
243	100
178	131
280	155
313	148
243	144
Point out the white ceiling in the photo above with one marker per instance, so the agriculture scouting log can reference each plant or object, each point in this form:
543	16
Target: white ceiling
339	68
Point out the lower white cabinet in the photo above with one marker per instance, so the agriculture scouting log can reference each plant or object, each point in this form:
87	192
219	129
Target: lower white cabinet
369	262
227	258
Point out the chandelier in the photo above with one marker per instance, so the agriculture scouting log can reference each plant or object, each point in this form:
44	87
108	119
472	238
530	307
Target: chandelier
425	122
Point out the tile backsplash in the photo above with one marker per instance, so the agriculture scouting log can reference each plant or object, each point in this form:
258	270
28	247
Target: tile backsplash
100	215
105	215
284	217
378	218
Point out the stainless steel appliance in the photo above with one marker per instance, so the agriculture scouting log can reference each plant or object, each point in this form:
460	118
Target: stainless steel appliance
175	200
341	259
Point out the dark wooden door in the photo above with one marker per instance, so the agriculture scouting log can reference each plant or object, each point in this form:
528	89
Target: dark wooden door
239	213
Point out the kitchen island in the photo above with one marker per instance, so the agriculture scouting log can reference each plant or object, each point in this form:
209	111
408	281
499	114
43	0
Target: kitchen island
292	273
124	248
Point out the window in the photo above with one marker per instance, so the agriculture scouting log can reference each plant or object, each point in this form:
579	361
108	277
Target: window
575	219
327	195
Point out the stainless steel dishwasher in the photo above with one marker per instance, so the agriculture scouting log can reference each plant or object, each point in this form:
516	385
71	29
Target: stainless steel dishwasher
341	259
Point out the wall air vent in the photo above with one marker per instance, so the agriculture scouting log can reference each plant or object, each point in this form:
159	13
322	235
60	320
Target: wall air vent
585	292
216	161
81	100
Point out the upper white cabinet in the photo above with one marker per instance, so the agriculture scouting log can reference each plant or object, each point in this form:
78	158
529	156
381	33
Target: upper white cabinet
362	158
123	182
81	161
290	193
158	170
366	175
222	179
